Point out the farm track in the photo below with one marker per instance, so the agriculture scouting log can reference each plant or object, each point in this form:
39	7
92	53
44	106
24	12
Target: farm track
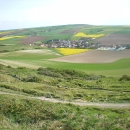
82	103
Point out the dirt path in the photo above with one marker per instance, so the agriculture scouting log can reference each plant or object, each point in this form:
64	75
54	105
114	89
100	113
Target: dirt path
83	103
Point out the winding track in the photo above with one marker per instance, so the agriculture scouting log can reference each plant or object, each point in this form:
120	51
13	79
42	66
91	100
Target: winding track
83	103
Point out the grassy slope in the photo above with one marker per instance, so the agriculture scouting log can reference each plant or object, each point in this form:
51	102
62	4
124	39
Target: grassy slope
74	84
20	113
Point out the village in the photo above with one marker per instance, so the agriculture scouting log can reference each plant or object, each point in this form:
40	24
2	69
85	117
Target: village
83	43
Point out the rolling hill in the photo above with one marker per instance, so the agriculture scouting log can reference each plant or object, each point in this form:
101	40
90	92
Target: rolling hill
65	77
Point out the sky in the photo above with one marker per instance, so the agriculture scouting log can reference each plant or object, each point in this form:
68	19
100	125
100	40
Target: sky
15	14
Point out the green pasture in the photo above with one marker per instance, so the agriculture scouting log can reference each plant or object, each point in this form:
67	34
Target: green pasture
52	30
125	30
116	68
105	30
10	45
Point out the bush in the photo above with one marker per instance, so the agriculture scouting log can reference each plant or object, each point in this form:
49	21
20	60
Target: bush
9	66
4	51
125	78
1	66
67	74
49	72
31	79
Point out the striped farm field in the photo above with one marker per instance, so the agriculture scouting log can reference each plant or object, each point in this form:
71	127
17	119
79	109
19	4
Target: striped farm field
70	51
6	32
10	37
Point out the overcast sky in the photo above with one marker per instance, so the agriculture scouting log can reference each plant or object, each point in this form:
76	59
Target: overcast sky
36	13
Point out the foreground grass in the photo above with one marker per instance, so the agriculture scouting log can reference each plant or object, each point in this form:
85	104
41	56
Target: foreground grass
24	113
20	113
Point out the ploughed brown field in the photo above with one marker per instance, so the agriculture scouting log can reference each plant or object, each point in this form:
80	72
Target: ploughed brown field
95	56
114	39
31	40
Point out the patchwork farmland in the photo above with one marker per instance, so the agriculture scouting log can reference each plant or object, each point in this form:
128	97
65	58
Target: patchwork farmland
56	78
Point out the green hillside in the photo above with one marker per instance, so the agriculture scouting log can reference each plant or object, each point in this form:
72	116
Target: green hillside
38	93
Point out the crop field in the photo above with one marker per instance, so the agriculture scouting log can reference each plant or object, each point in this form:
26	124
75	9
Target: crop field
10	37
5	32
106	30
10	32
95	56
69	51
31	40
114	39
81	34
68	31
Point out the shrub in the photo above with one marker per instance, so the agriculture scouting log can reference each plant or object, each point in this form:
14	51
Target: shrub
9	66
31	79
4	51
1	66
125	78
67	74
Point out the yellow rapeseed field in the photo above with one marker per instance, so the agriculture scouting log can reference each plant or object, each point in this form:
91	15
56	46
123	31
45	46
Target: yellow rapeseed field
81	34
9	37
70	51
5	32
